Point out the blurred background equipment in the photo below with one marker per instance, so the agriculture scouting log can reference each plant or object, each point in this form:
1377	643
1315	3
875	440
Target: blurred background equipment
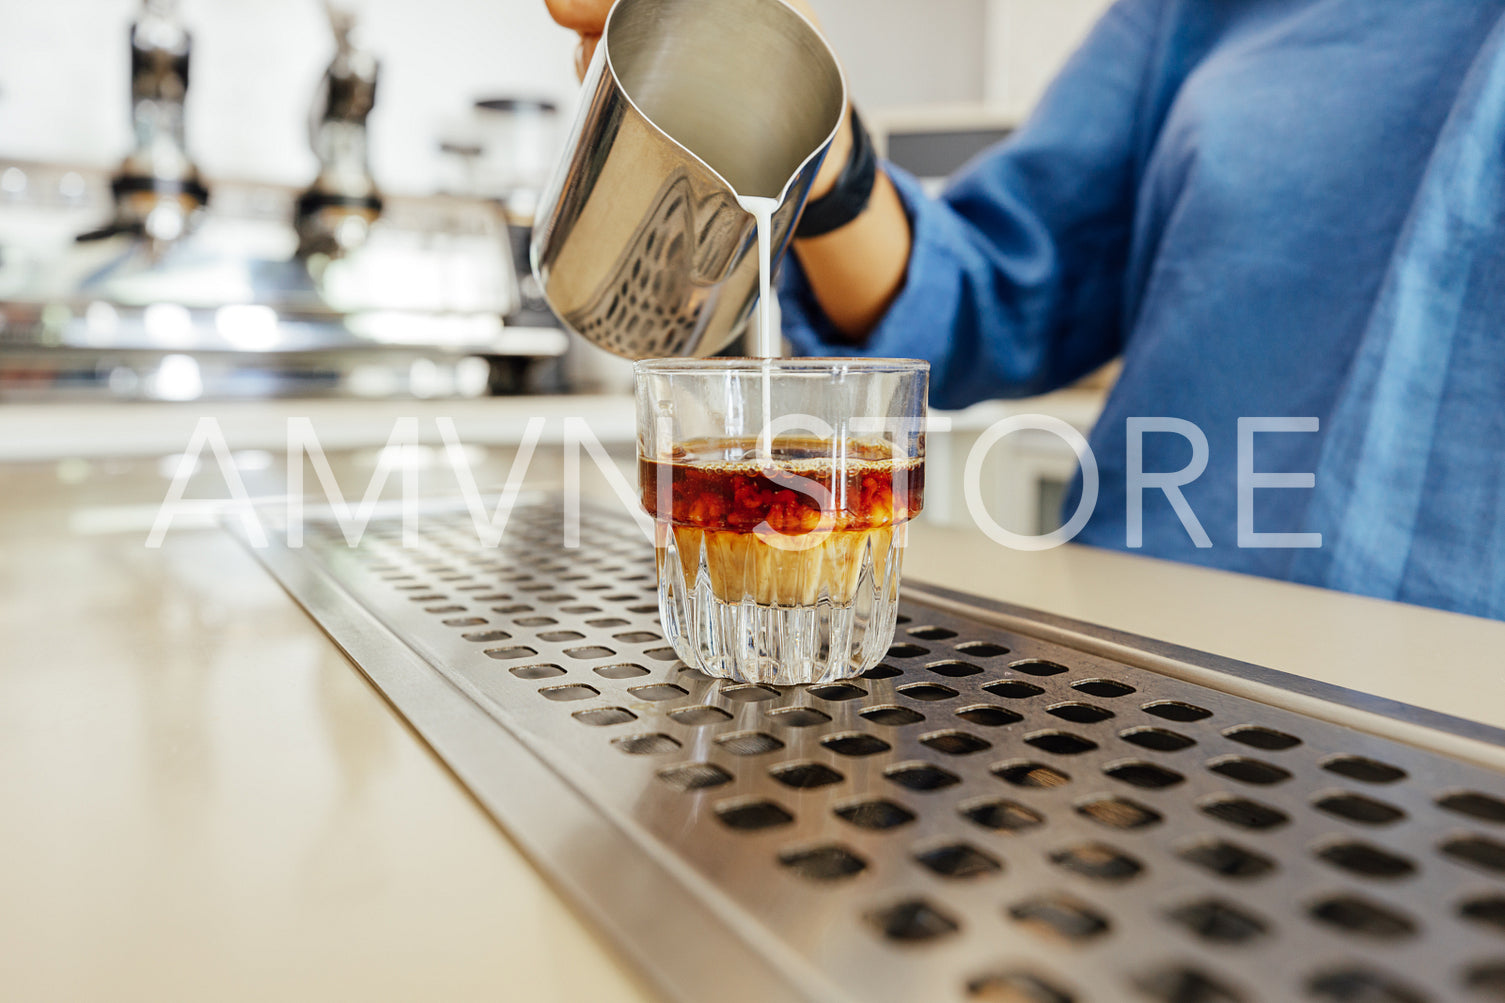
141	286
157	187
277	224
335	214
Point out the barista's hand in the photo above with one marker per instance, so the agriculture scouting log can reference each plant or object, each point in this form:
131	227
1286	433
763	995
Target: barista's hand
588	17
585	17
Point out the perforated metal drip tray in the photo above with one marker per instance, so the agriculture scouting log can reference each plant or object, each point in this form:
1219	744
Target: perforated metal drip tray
1011	807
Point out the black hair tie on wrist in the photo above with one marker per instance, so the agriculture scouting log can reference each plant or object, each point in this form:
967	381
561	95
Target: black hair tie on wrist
849	197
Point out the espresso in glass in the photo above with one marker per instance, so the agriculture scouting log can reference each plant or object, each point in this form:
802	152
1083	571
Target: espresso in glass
779	556
790	528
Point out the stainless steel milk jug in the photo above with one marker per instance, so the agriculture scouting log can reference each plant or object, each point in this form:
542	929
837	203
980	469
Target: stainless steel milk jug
639	244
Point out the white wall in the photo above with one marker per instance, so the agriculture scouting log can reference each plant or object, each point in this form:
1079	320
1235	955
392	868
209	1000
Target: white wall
909	52
1027	41
902	53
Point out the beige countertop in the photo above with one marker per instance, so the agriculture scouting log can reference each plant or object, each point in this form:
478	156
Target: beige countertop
204	800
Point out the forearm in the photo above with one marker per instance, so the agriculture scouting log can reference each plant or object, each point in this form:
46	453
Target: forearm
856	271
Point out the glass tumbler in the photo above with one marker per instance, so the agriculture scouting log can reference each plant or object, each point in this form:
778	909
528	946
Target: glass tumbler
780	491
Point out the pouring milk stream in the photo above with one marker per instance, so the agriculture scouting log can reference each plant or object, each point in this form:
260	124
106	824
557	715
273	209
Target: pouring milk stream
762	210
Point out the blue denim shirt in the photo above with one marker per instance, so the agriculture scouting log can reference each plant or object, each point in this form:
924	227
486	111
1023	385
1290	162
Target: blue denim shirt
1269	208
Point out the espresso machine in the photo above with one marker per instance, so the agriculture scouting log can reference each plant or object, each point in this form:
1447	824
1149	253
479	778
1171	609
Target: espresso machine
151	271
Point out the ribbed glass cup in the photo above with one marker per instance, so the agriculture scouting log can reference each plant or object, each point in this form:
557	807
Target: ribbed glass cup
781	491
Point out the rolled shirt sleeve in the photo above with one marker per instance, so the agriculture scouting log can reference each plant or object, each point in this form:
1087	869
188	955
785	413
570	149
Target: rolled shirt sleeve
1015	283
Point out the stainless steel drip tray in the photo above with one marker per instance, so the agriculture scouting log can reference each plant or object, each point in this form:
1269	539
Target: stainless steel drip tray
1011	807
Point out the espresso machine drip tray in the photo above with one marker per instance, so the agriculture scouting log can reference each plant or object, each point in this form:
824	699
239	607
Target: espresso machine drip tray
1011	807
